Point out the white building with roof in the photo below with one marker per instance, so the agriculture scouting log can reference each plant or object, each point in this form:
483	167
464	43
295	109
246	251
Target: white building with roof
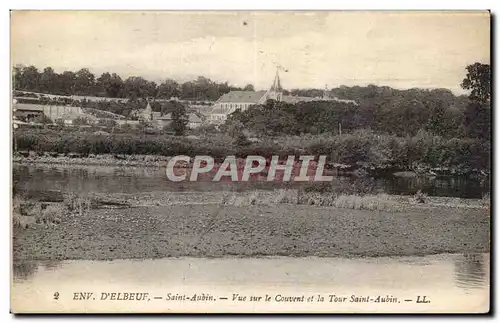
234	100
242	100
53	112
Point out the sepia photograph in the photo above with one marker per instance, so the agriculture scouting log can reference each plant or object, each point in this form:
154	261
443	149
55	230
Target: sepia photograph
250	161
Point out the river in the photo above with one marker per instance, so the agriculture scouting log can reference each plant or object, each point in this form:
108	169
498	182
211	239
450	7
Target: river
449	282
106	179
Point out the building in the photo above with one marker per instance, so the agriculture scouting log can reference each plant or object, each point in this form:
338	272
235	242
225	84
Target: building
146	114
194	121
242	100
132	123
230	102
28	112
159	121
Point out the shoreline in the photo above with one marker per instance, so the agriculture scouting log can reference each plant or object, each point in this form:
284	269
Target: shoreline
254	223
158	161
439	255
94	160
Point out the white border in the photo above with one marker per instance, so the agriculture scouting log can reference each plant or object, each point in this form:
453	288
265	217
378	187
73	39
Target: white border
255	5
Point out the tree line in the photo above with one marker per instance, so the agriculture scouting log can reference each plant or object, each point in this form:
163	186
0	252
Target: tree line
85	83
381	109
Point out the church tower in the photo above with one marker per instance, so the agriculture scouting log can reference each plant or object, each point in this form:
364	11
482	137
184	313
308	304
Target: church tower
326	96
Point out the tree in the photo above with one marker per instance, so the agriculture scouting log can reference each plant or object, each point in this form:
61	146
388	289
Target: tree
48	81
80	121
478	80
30	79
249	87
478	120
169	89
233	127
435	123
478	112
67	82
453	122
111	85
17	77
179	118
84	82
136	87
115	89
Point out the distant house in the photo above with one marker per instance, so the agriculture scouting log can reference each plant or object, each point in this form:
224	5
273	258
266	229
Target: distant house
146	114
132	123
194	121
28	111
160	121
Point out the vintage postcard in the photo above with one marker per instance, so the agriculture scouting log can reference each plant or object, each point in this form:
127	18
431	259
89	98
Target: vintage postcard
250	161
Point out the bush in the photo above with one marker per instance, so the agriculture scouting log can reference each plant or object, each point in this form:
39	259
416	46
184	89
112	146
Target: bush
125	127
79	204
420	197
359	186
372	202
362	149
379	202
29	213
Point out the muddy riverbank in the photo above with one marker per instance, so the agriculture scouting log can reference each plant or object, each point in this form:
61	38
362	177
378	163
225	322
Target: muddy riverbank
258	230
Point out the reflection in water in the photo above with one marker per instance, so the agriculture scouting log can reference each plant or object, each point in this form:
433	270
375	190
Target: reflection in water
470	271
52	264
106	179
400	277
25	270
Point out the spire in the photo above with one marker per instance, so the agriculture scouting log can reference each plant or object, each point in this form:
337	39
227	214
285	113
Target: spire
275	92
325	93
276	87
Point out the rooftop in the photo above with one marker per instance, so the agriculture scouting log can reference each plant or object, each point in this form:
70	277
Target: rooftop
296	99
28	107
242	97
191	117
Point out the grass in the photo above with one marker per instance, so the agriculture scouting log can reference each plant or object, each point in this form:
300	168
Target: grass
79	204
372	202
486	200
362	149
375	202
27	213
420	197
287	196
379	202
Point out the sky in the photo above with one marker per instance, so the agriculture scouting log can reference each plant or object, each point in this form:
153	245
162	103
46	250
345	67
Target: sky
398	49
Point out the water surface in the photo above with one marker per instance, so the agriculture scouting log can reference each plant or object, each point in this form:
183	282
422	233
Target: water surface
451	282
102	179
